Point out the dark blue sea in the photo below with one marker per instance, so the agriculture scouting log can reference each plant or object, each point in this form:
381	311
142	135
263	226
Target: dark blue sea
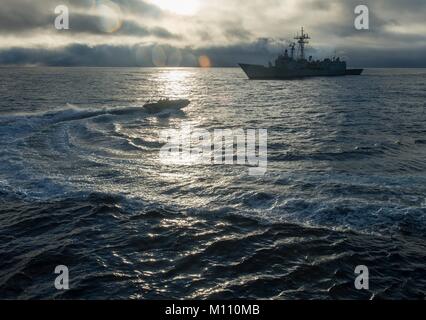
82	185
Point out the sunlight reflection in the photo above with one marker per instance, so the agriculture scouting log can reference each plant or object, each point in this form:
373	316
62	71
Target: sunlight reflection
175	83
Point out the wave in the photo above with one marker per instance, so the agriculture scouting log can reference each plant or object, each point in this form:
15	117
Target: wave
19	124
110	241
22	123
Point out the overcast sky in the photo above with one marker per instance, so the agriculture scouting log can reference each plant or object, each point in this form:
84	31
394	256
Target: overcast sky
179	32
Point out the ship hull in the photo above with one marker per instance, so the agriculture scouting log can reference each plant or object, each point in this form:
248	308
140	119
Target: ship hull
259	72
354	72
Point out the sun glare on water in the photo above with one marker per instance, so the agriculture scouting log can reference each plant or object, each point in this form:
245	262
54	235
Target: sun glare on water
183	7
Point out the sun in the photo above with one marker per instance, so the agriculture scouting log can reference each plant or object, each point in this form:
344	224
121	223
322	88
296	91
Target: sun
182	7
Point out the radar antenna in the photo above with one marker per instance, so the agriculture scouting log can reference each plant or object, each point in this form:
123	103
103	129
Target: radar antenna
302	40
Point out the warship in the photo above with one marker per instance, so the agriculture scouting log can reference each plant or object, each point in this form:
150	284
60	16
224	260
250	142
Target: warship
292	65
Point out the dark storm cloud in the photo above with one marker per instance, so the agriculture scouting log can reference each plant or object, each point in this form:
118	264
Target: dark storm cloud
21	15
138	55
33	17
89	24
84	55
237	33
386	58
259	51
382	14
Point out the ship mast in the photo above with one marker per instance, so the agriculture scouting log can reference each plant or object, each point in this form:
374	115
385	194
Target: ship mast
302	40
292	45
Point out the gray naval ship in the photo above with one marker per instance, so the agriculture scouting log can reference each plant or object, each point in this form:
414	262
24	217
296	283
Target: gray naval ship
291	66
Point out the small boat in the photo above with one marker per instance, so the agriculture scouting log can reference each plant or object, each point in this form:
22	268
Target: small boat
166	104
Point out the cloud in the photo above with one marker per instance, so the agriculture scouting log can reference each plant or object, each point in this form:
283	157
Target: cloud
93	24
228	31
145	55
86	16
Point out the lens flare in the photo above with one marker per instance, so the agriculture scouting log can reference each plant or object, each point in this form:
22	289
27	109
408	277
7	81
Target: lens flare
159	57
204	62
164	56
174	58
109	15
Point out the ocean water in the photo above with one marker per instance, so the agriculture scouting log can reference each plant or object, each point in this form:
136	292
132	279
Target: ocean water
82	185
